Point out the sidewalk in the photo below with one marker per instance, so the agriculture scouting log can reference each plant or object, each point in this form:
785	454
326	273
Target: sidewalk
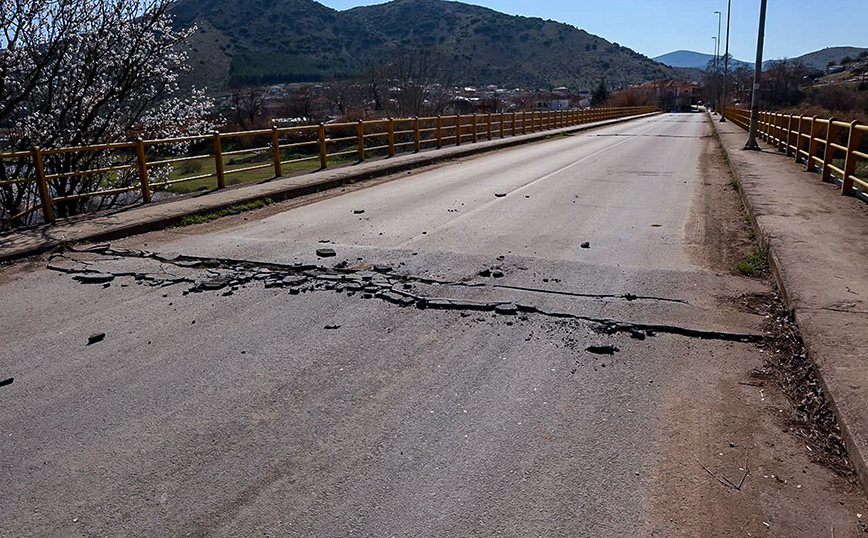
141	218
819	257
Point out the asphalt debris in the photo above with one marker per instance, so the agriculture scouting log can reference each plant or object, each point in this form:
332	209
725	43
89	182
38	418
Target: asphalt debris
326	252
586	244
7	381
602	349
94	338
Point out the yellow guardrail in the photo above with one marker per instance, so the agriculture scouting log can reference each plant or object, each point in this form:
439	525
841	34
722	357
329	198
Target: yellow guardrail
362	139
823	144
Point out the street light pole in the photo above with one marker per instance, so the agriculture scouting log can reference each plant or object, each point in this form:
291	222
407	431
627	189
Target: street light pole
725	63
717	64
714	74
757	77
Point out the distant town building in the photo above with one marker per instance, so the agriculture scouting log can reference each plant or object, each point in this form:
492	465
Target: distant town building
553	104
671	94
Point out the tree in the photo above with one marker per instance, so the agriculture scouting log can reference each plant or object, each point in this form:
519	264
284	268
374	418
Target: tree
409	83
601	94
84	72
249	104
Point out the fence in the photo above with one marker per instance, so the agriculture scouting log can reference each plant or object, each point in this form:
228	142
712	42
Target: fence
828	145
137	169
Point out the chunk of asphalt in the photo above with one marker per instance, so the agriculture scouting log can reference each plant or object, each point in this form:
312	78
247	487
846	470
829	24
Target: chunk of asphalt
485	273
325	252
294	291
7	381
332	327
507	309
382	268
94	278
500	194
95	337
497	274
602	349
358	211
586	245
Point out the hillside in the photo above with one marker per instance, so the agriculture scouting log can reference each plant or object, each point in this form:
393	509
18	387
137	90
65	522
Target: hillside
304	41
691	59
820	59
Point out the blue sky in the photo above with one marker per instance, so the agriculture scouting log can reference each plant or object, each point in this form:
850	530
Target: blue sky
655	27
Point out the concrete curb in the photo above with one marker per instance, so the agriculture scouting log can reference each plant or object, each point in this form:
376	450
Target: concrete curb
856	450
102	227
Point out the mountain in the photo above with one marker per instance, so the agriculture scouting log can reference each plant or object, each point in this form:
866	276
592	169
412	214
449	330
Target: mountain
820	59
269	41
689	58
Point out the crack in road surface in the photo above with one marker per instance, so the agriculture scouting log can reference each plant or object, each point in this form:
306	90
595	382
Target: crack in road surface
379	283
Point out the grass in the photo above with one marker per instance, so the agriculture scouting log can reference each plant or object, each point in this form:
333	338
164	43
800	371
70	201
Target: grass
208	166
754	263
190	220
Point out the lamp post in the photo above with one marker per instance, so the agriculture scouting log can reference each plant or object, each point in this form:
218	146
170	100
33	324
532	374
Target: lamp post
717	63
757	77
725	63
714	74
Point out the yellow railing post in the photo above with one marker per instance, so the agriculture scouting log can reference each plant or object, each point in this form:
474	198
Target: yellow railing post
524	122
438	130
474	133
799	133
218	162
488	127
457	129
850	162
321	144
812	144
42	185
360	140
391	137
829	150
275	151
502	124
417	143
789	139
143	170
514	116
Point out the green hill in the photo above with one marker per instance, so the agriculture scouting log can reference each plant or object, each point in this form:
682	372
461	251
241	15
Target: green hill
263	41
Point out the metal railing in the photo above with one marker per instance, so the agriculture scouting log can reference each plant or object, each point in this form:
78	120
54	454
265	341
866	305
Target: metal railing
826	145
141	167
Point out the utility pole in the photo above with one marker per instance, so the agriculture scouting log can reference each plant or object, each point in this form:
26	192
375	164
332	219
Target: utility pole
725	63
757	78
714	74
717	64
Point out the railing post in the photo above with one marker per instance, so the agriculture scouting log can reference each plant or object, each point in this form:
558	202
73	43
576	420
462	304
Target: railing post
829	150
391	137
321	143
799	134
143	170
275	151
474	133
524	122
218	162
502	124
360	140
850	163
812	144
457	129
514	116
438	130
42	185
789	140
488	127
417	143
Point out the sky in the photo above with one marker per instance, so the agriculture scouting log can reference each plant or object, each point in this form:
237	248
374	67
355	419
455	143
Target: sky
655	27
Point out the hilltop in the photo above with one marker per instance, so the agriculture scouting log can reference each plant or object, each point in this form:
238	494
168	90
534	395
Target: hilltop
263	41
818	59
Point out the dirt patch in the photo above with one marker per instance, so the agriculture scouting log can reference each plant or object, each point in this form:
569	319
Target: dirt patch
719	235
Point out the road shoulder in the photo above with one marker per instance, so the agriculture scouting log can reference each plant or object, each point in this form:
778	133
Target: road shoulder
821	268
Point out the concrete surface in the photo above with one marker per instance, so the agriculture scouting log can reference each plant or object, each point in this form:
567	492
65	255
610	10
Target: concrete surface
141	218
820	261
275	406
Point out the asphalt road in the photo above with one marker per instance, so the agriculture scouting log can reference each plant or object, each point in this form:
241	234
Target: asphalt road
238	394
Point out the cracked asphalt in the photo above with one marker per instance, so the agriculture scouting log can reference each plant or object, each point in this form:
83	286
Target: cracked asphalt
462	366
